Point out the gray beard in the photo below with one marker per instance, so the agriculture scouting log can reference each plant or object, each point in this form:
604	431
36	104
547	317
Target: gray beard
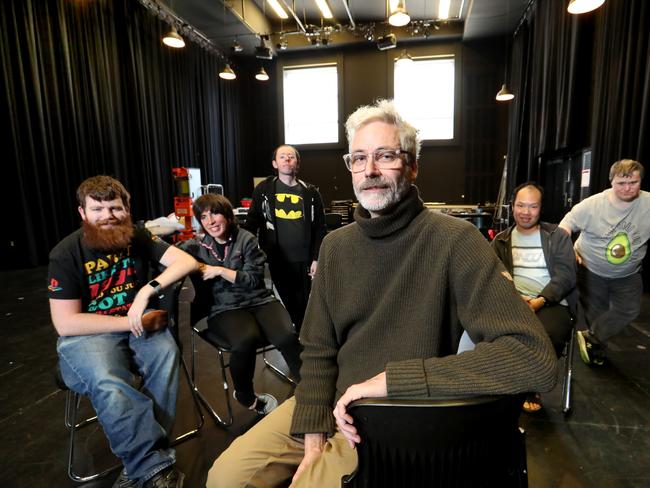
381	203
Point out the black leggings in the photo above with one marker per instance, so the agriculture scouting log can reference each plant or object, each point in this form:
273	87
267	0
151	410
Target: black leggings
246	329
556	320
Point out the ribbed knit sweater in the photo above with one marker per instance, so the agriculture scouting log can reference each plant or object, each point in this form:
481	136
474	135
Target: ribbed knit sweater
394	293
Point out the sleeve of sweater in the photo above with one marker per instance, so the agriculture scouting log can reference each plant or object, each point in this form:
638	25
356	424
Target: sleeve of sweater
317	389
513	354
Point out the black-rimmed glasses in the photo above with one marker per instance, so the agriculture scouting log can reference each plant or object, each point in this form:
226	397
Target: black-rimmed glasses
384	159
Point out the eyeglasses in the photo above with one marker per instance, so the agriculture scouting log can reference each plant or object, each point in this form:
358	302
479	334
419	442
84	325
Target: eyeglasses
384	159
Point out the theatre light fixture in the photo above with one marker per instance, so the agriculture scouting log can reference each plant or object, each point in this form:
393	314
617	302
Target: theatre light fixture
387	42
398	14
583	6
227	73
263	51
236	47
173	39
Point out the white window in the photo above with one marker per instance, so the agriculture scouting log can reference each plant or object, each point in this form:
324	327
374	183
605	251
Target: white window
424	95
311	105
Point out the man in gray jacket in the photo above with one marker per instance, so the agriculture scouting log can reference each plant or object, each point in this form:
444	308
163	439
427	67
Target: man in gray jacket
540	258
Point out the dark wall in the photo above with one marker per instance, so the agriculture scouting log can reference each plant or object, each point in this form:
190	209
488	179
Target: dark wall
466	171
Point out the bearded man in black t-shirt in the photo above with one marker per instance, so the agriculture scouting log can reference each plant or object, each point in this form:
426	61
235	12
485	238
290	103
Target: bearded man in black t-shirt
99	293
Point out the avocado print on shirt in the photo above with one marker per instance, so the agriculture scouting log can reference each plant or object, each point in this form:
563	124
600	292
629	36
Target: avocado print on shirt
288	206
618	249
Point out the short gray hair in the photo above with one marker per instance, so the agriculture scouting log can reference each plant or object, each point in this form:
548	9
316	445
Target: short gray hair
384	111
625	167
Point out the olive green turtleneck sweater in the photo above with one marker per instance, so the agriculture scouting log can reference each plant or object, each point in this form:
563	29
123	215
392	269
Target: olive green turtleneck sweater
391	293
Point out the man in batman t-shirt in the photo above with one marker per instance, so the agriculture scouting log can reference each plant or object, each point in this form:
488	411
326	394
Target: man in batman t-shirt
287	215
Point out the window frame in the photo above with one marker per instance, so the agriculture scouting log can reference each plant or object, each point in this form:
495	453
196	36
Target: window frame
432	52
297	63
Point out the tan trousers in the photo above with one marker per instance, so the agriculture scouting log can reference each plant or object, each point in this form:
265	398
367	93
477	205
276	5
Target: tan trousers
267	457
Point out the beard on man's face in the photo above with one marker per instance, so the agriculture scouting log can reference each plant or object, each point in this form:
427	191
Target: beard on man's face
101	237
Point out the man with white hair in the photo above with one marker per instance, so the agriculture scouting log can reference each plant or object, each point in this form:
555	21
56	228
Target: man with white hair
393	293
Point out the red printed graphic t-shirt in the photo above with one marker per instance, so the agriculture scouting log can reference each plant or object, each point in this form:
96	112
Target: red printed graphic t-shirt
105	282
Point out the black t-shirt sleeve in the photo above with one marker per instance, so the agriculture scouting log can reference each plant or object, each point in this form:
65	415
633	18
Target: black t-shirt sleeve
64	272
148	246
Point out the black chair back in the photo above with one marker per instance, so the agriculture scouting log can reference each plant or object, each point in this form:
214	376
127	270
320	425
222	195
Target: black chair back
432	443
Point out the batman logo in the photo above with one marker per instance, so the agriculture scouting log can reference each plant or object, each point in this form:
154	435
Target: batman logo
288	206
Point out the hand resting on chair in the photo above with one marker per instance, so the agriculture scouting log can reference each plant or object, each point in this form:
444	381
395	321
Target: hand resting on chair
373	388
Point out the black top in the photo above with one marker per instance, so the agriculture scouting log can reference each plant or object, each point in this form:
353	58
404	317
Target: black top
262	219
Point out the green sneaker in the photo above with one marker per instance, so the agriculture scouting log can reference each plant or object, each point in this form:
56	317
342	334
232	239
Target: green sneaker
583	347
590	352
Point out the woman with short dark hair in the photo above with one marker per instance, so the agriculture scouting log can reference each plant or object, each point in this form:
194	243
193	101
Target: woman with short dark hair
243	312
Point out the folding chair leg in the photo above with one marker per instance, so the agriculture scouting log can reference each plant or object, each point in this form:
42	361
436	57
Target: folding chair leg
213	413
194	432
72	401
277	370
568	373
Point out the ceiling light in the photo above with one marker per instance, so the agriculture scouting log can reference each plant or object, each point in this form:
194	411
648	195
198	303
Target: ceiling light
583	6
275	5
324	9
443	9
227	73
404	58
399	17
262	75
504	94
173	39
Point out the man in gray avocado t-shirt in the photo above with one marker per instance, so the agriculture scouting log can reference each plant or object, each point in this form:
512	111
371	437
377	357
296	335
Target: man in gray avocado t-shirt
614	228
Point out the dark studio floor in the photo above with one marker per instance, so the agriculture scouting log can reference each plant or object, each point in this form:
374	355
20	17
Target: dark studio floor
604	442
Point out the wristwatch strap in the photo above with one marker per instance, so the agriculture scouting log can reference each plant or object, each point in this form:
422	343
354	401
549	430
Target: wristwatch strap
156	286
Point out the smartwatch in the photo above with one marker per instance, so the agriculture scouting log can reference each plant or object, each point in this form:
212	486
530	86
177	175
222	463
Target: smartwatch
156	286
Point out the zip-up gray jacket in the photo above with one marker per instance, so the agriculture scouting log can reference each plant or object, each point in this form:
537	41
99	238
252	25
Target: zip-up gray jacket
243	254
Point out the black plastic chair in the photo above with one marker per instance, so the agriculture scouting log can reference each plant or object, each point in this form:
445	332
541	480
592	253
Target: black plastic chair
472	442
168	301
199	310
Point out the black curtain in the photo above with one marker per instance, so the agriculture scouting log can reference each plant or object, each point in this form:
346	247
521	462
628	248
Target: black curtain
621	116
89	89
581	81
549	58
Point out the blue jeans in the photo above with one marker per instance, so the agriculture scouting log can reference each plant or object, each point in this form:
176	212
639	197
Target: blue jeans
136	421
